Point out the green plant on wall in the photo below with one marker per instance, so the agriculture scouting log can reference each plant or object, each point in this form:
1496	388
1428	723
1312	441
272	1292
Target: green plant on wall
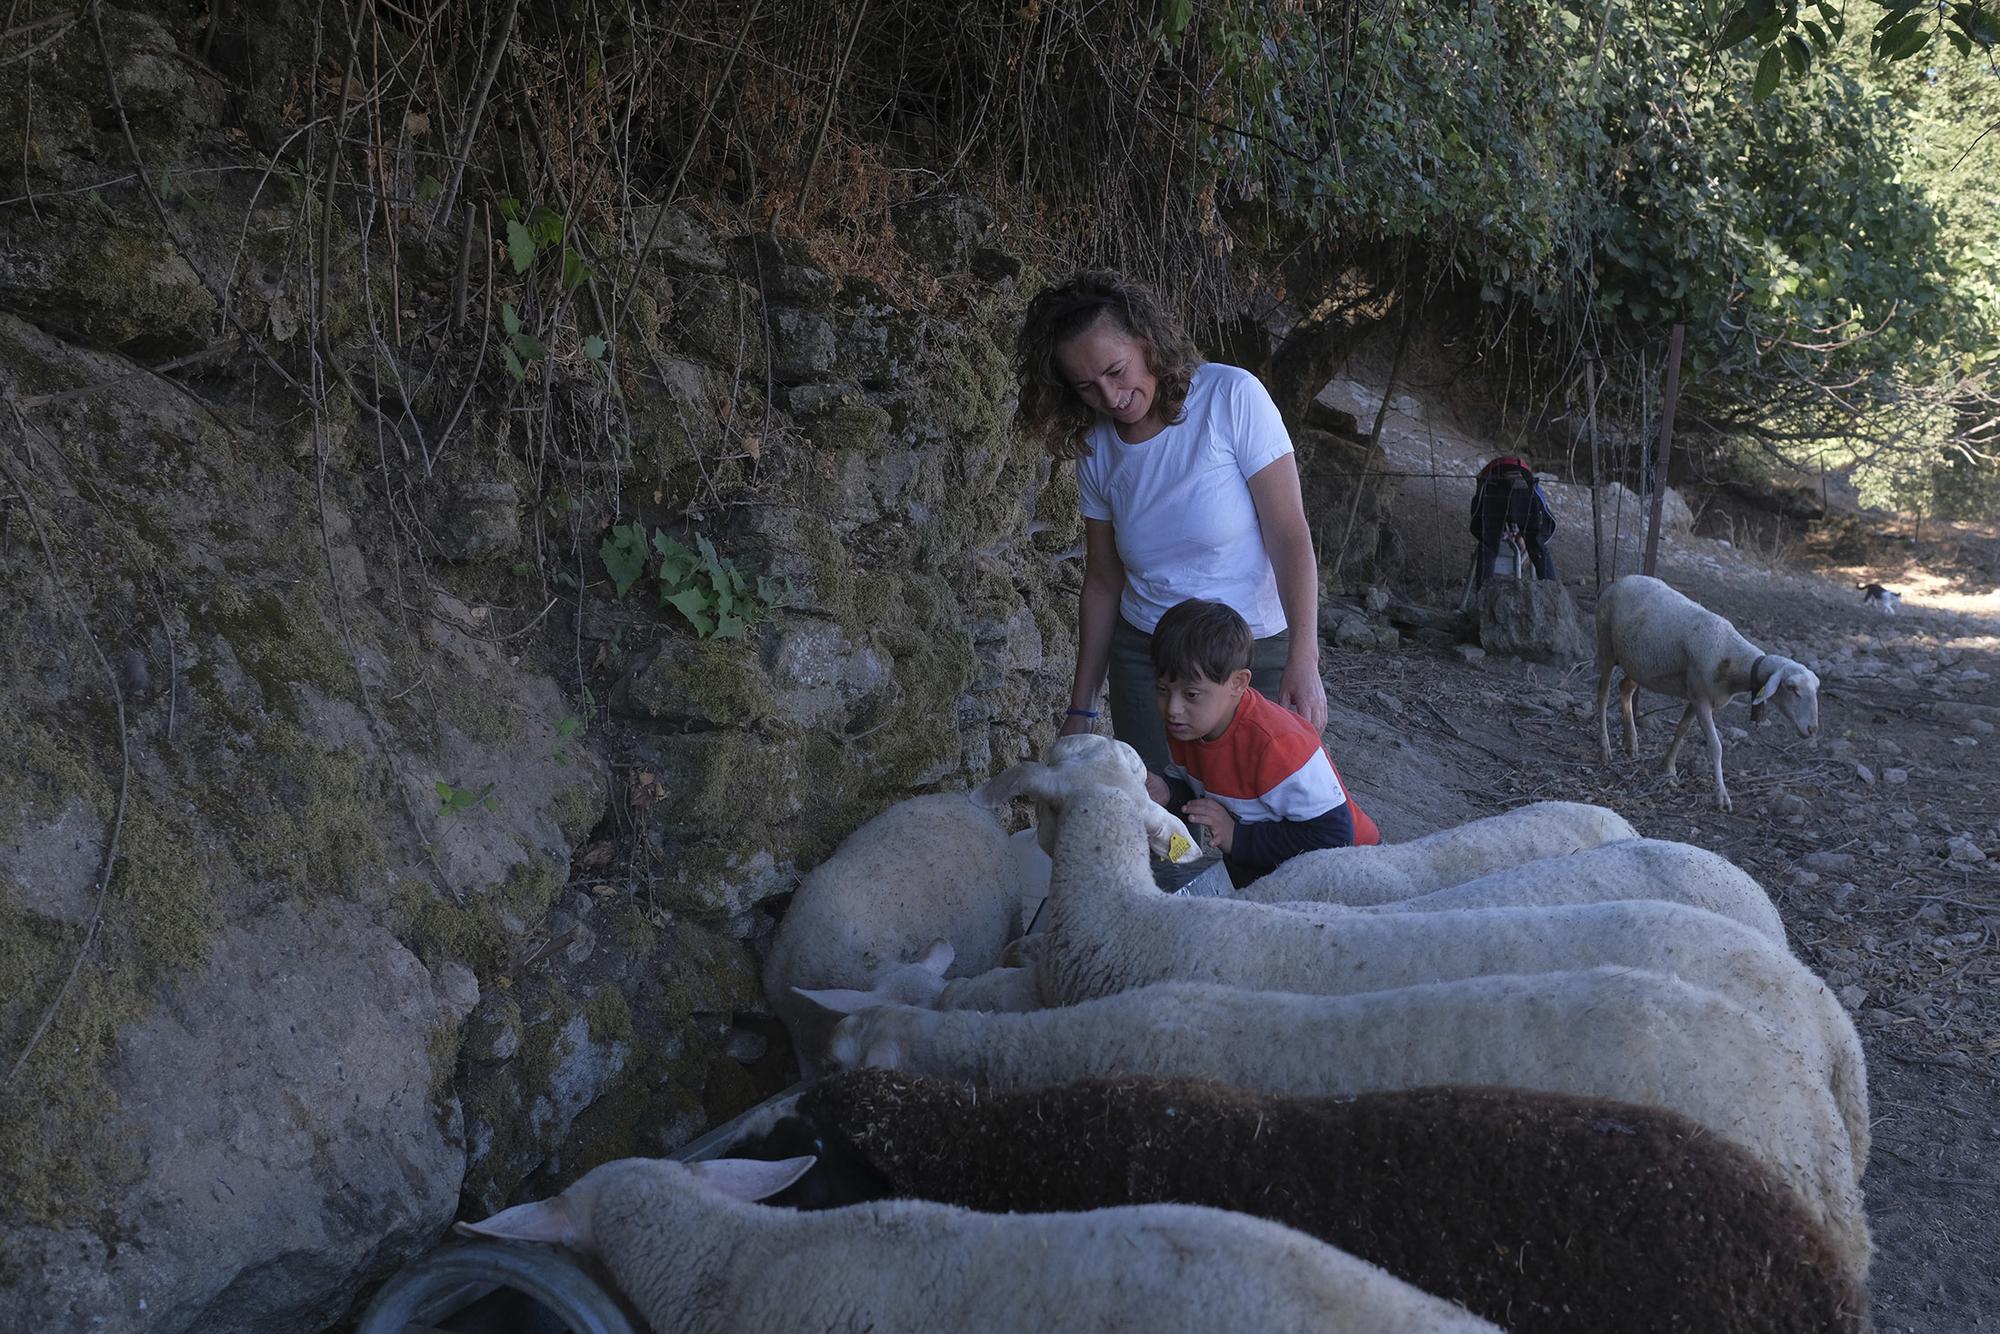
705	587
532	234
455	800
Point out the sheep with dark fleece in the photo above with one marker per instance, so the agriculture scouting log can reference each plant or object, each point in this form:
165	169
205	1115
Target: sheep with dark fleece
1539	1211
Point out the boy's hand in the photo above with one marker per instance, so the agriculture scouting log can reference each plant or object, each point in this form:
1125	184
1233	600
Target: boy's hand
1156	788
1221	824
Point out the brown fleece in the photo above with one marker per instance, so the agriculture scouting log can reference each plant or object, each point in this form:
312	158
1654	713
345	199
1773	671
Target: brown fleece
1539	1211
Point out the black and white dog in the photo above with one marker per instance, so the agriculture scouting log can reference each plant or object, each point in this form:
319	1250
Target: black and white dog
1882	599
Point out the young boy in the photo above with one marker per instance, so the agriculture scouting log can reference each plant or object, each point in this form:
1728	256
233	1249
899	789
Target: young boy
1254	773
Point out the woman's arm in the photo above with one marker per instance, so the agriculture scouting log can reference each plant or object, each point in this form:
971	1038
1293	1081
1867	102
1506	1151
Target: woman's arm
1097	611
1281	513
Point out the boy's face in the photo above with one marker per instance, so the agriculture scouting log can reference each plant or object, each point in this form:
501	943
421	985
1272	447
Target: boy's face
1199	708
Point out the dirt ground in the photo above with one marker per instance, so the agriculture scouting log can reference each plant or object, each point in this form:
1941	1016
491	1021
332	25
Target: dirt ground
1879	840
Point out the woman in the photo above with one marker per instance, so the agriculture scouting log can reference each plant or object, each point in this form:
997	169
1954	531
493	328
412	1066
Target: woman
1189	488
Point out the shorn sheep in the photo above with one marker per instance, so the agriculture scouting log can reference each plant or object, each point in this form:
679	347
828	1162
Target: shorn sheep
1110	930
1615	1033
1539	1211
929	868
1663	641
687	1247
1386	872
1639	868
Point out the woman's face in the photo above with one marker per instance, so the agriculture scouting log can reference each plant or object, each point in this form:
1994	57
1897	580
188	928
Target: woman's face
1106	368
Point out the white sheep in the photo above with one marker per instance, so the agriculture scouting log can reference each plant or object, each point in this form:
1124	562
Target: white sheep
1619	1033
1383	873
1110	930
929	868
687	1247
1666	642
1638	868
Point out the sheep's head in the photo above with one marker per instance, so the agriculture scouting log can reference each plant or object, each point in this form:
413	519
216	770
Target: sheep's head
880	1038
567	1219
1086	760
1793	690
916	983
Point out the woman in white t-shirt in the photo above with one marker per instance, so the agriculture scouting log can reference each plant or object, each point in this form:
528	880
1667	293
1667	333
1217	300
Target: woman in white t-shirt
1189	488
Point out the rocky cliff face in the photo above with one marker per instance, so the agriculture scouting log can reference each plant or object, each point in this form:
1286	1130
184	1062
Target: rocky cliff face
365	853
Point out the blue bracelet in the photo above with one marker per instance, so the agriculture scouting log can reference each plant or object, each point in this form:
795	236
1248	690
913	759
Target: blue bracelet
1081	713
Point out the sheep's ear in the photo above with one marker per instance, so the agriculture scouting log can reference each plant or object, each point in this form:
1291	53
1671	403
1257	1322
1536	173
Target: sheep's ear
552	1221
1770	687
1008	784
747	1179
841	1000
1166	836
883	1053
938	957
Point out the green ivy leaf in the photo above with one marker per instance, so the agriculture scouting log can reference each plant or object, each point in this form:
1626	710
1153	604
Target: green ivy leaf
520	246
575	271
530	347
690	603
546	224
623	552
593	347
510	319
513	363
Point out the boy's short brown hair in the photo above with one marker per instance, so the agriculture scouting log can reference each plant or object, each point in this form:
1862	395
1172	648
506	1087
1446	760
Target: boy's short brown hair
1203	640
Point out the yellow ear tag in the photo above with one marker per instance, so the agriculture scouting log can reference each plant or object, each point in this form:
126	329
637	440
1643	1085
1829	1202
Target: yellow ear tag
1178	846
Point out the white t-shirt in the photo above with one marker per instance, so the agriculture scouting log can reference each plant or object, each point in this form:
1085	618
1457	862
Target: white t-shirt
1180	506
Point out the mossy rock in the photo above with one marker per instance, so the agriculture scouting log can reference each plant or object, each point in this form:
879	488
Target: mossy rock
126	288
703	682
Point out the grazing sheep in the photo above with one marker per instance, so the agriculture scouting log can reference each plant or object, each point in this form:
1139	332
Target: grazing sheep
1110	930
932	867
1387	872
1666	642
685	1245
1604	1032
1539	1211
1638	868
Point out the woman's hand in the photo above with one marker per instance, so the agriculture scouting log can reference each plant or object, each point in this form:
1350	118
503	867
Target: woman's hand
1303	692
1074	724
1156	788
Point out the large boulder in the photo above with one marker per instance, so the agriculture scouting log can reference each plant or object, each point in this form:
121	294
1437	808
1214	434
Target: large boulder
1533	619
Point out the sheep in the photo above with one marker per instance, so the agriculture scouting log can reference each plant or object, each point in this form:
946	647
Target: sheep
1109	931
1638	868
1616	1033
929	867
689	1250
1535	1210
1389	872
1666	642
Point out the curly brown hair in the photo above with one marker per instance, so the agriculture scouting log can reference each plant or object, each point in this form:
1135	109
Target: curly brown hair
1049	410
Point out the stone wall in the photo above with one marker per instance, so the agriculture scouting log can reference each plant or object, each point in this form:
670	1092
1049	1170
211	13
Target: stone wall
440	871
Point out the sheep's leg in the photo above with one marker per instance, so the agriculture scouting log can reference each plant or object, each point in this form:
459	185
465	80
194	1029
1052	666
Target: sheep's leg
1674	747
1603	701
1707	712
1628	689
